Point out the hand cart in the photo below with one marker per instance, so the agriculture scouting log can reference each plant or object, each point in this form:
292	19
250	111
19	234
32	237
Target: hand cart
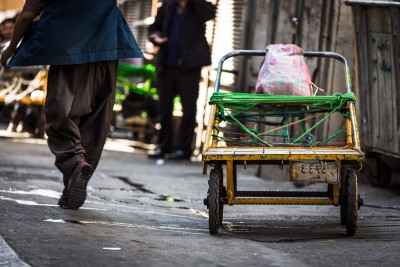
258	129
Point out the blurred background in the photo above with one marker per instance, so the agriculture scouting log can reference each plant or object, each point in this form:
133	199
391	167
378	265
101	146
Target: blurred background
365	32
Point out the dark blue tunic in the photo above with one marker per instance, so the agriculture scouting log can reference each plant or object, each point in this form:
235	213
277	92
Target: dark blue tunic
77	32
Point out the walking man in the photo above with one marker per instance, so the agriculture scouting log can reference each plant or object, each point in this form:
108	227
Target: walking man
82	42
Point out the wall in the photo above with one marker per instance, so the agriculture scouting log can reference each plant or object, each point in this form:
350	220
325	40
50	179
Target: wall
377	30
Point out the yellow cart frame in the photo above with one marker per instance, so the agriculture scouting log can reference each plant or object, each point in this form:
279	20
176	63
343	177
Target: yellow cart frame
349	158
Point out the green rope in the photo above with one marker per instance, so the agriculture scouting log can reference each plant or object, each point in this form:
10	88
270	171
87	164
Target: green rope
248	131
243	99
235	104
315	125
331	137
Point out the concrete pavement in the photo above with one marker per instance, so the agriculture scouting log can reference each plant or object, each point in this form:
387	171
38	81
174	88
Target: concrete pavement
142	212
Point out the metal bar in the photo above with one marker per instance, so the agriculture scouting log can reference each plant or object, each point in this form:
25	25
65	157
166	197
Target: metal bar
336	194
230	181
281	201
214	125
265	157
234	173
349	132
233	54
337	57
306	54
353	118
299	194
209	132
371	3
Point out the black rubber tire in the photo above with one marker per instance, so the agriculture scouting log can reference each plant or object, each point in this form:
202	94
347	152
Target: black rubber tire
222	195
342	197
215	203
352	202
384	174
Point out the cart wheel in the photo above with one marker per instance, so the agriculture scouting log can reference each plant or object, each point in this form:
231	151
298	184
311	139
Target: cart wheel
222	195
215	201
351	202
383	175
342	197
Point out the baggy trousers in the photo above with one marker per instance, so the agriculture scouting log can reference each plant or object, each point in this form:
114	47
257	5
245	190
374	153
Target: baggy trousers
79	106
173	81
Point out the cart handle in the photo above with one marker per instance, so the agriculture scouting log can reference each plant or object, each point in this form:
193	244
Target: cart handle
333	55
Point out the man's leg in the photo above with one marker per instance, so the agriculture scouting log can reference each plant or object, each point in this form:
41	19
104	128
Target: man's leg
64	92
78	104
167	83
188	89
94	127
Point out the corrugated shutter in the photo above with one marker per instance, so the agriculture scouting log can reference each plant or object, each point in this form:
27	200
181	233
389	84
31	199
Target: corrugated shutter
135	12
228	36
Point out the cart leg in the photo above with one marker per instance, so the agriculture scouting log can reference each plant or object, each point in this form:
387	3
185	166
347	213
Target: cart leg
231	181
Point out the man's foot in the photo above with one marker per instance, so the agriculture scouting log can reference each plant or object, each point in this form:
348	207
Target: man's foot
62	199
180	155
74	195
158	154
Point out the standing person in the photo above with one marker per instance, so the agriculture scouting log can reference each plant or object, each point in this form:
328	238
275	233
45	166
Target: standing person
179	30
7	27
82	42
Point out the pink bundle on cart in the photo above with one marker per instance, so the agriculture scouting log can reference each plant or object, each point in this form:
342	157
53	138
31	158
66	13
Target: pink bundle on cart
284	72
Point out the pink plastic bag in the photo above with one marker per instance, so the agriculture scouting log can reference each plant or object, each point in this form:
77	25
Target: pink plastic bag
284	72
